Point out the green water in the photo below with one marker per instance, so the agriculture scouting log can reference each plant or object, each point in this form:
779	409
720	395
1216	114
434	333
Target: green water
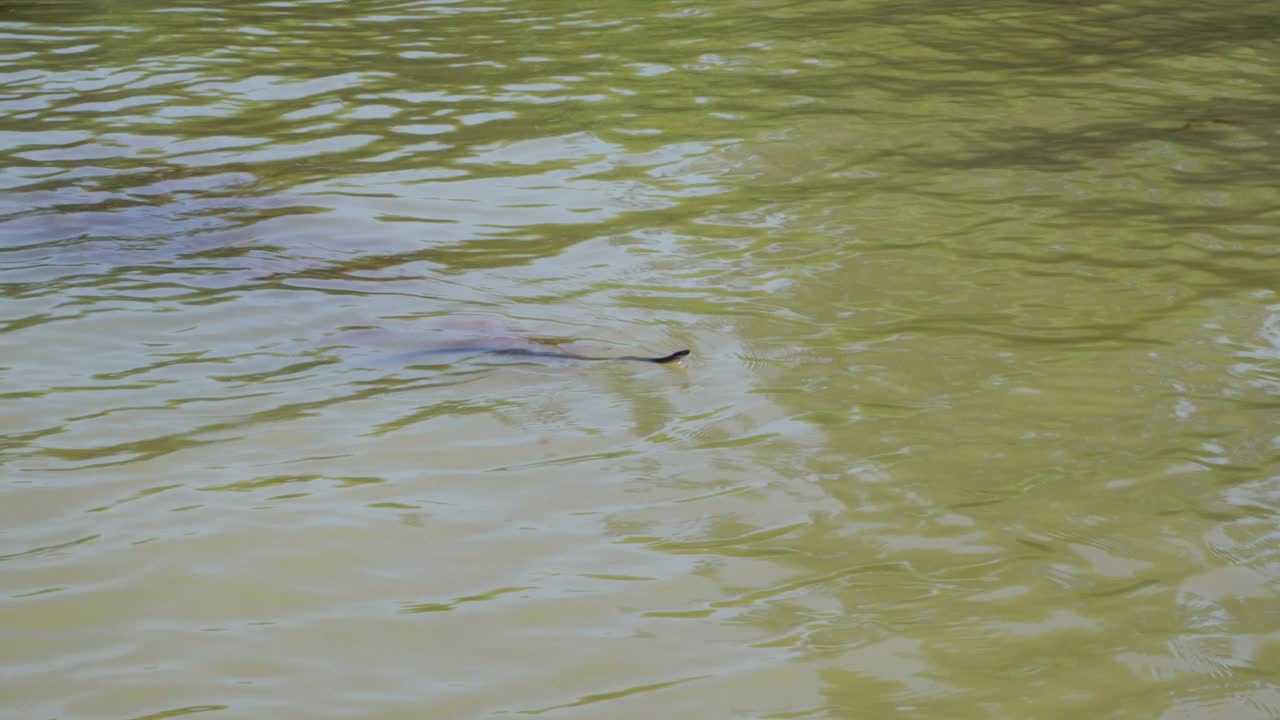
982	418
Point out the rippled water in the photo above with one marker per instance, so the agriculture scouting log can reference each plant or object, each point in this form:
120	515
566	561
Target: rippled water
980	421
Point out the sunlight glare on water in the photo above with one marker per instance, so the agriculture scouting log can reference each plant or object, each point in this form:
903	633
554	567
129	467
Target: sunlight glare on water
980	419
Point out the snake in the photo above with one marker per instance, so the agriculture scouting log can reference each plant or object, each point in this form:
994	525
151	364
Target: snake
674	357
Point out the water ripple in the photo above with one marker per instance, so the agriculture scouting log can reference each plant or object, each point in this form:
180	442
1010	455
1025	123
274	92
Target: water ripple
981	301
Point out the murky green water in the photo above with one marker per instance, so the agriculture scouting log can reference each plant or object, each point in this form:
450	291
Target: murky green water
981	420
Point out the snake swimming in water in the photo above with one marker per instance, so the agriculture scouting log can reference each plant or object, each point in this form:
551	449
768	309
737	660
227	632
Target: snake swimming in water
525	352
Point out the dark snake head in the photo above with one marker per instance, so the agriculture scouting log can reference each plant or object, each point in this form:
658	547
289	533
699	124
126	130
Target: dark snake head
673	357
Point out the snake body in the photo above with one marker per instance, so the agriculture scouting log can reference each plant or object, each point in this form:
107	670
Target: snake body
525	352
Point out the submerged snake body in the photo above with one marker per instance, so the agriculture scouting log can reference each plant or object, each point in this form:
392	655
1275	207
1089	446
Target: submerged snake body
525	352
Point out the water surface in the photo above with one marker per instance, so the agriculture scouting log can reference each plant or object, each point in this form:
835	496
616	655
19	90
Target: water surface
981	420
